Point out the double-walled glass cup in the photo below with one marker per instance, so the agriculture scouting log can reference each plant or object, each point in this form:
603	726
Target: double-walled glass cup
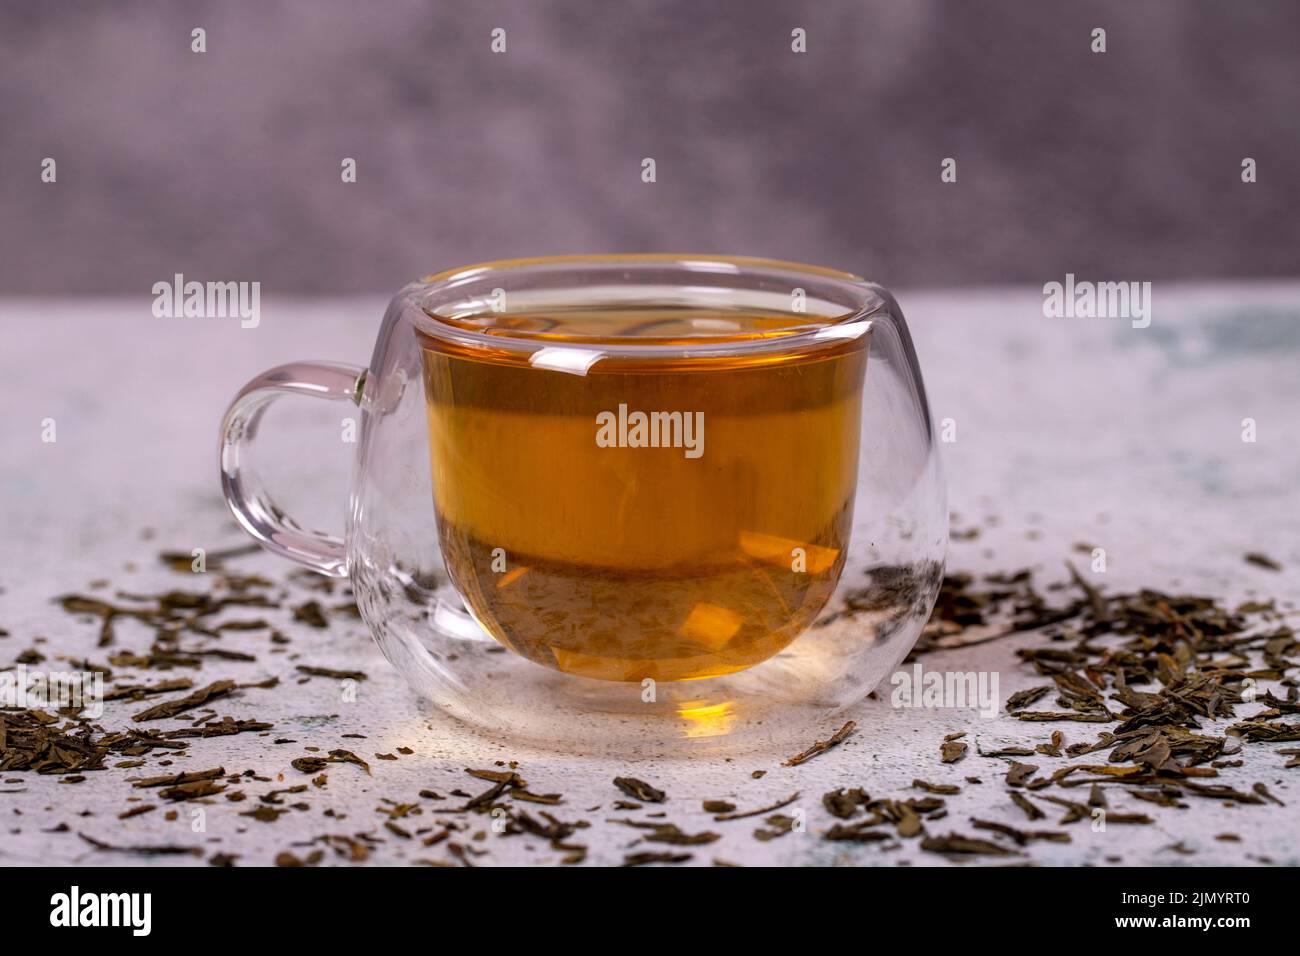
630	503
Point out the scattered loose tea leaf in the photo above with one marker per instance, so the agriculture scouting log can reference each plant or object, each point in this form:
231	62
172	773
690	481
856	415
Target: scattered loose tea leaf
1262	561
1019	773
1021	837
821	746
312	614
844	803
958	844
640	790
1025	804
1023	698
643	859
264	814
173	707
944	788
327	672
952	751
759	812
137	811
857	832
161	849
192	790
670	833
189	776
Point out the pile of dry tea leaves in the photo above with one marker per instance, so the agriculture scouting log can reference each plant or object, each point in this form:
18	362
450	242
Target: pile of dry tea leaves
1132	688
1154	668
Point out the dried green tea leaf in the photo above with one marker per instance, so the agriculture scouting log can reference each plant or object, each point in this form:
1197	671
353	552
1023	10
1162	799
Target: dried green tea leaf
643	859
640	790
1019	773
213	560
1025	804
844	803
670	833
192	790
499	776
175	779
1263	791
1008	752
1102	717
1262	561
1219	792
173	707
857	832
951	751
328	672
1263	730
821	746
908	822
550	799
778	825
312	614
957	844
1023	698
164	849
944	788
759	812
264	814
347	756
1112	817
1021	837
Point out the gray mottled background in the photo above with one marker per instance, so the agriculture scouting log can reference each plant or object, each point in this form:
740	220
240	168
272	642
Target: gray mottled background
226	165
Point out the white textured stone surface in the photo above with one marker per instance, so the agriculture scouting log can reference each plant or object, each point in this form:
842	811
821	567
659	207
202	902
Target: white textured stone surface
1067	430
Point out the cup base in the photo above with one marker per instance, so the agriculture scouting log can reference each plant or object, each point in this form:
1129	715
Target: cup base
462	673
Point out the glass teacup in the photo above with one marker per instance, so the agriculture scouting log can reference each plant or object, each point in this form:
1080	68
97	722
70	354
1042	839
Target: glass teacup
673	482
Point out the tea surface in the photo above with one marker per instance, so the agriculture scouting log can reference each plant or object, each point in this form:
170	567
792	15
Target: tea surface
656	519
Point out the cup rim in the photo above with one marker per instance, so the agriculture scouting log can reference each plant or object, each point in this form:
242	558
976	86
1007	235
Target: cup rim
853	323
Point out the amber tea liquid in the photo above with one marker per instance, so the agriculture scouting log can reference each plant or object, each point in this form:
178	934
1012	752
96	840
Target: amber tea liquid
693	541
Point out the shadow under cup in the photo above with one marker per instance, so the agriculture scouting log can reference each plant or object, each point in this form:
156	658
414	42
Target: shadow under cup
671	516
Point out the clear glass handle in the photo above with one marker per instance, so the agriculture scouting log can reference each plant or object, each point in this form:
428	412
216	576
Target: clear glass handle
242	485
